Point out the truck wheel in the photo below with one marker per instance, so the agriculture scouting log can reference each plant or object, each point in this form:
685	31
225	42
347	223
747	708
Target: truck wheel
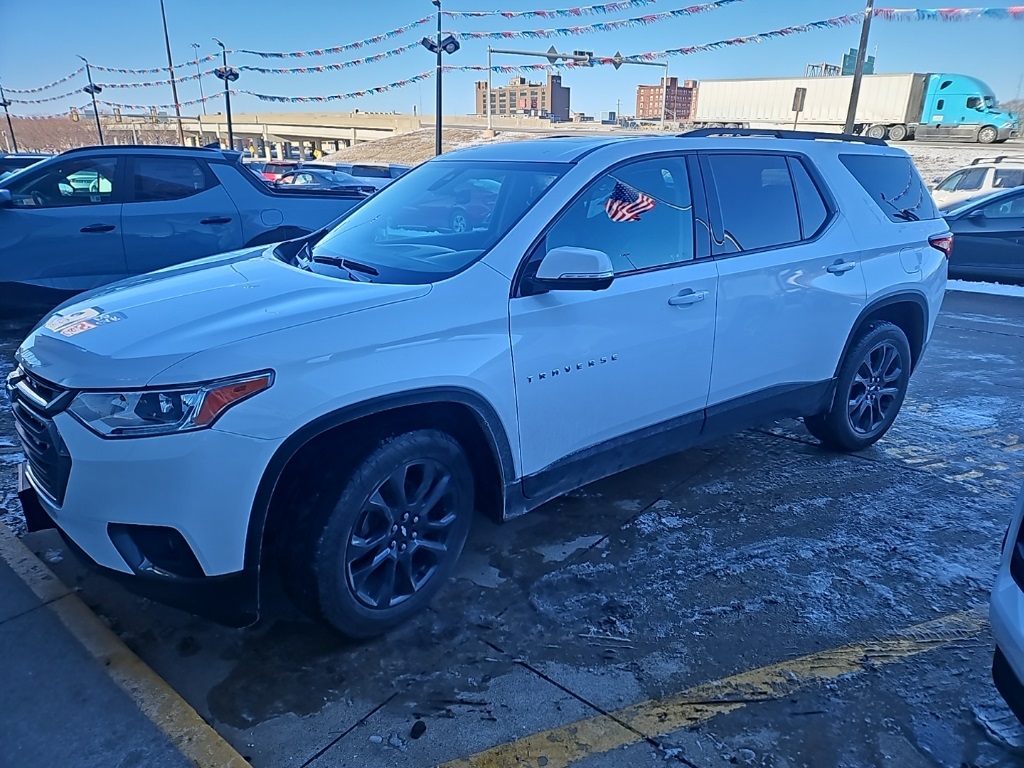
870	389
988	135
877	132
898	133
386	537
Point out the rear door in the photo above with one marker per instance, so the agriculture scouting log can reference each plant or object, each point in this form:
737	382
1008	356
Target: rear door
790	283
989	241
177	211
63	229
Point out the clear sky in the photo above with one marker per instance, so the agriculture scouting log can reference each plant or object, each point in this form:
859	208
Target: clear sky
41	39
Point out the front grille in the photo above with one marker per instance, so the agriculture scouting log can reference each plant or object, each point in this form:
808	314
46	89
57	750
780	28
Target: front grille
49	462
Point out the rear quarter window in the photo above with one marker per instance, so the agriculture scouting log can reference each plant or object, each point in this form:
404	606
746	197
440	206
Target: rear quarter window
894	185
371	171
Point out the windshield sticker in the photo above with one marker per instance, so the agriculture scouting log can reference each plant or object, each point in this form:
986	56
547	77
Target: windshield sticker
57	322
87	325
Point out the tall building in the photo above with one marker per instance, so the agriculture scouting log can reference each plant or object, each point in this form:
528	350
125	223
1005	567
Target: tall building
678	100
523	98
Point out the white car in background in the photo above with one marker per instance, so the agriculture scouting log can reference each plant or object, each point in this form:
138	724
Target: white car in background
378	175
981	177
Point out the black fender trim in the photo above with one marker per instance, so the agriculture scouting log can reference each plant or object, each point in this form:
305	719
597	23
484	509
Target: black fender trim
486	415
915	297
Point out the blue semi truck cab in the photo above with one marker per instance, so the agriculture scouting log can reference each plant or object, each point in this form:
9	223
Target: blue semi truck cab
961	108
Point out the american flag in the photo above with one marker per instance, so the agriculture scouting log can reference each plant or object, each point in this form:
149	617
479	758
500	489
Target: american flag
626	203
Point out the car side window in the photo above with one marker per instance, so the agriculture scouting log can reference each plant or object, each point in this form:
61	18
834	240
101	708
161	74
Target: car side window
973	179
813	210
1007	208
73	182
640	214
757	201
950	183
168	178
1007	178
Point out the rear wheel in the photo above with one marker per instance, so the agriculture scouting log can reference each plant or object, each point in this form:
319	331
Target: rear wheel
988	135
387	537
877	132
898	133
870	390
460	221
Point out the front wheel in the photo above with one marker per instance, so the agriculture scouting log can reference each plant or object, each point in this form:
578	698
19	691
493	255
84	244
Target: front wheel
877	132
870	389
388	539
988	135
460	222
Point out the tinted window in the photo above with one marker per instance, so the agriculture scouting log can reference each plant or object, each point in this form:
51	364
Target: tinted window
1007	208
371	171
641	215
973	179
894	184
82	181
757	201
398	170
951	181
813	211
168	178
1006	179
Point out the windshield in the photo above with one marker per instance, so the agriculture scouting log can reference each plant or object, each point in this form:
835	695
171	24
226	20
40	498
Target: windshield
433	221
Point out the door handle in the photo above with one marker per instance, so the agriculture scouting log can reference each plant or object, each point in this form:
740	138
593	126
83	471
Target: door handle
841	267
216	220
98	228
687	298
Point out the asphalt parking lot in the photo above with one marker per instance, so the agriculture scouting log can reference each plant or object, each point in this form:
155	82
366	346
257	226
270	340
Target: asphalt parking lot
757	601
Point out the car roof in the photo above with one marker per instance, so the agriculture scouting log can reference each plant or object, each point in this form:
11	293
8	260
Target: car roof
207	153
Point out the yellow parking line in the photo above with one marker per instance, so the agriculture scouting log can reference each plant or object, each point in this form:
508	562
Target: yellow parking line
181	724
560	747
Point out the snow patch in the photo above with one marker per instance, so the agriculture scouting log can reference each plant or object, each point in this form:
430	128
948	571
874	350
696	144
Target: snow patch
993	289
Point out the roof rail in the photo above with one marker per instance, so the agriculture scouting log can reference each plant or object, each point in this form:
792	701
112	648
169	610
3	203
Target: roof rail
998	159
781	134
146	147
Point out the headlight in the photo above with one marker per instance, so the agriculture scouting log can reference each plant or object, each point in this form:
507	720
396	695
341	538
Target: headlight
166	410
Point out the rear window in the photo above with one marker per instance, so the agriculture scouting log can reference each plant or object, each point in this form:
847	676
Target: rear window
894	184
279	167
1007	179
371	171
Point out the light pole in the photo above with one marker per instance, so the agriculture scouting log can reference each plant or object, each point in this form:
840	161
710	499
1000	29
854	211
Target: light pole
170	70
448	45
228	75
199	77
10	126
858	71
92	89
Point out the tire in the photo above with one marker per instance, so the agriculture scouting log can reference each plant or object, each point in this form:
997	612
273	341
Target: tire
898	132
988	135
460	221
877	132
870	389
386	538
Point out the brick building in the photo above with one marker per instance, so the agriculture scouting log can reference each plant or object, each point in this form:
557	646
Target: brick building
679	100
521	97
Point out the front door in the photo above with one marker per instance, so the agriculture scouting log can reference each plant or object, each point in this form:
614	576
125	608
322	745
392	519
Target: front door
177	211
63	229
989	243
597	370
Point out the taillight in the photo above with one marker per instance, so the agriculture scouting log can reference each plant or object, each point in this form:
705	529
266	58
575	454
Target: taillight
942	243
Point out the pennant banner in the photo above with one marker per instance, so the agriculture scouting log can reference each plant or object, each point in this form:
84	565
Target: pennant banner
604	26
48	86
1015	12
335	66
56	115
76	92
339	96
586	10
341	48
156	70
154	83
191	102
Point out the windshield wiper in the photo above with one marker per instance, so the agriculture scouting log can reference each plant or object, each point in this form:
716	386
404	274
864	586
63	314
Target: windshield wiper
346	264
906	215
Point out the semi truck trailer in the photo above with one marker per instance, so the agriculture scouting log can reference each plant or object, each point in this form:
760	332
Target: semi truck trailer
922	106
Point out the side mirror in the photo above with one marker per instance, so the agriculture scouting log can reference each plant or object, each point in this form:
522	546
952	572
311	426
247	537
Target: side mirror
6	201
574	269
978	214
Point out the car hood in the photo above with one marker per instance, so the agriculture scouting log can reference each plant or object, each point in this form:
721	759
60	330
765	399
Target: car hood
125	334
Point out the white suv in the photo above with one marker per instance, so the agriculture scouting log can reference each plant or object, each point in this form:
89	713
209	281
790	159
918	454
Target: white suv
983	176
344	403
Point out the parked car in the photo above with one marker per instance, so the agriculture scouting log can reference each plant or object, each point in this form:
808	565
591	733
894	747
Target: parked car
1006	615
256	166
341	405
458	205
326	179
989	238
377	174
274	170
99	214
9	163
980	178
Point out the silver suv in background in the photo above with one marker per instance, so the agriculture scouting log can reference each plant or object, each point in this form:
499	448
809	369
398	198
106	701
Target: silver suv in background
378	175
982	177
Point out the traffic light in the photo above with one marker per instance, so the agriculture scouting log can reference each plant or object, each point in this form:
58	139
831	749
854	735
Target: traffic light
74	114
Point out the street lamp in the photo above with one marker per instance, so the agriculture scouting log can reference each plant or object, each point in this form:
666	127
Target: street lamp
92	89
199	77
448	45
5	103
170	70
228	75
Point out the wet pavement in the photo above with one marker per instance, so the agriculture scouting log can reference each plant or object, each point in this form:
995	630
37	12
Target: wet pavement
752	550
